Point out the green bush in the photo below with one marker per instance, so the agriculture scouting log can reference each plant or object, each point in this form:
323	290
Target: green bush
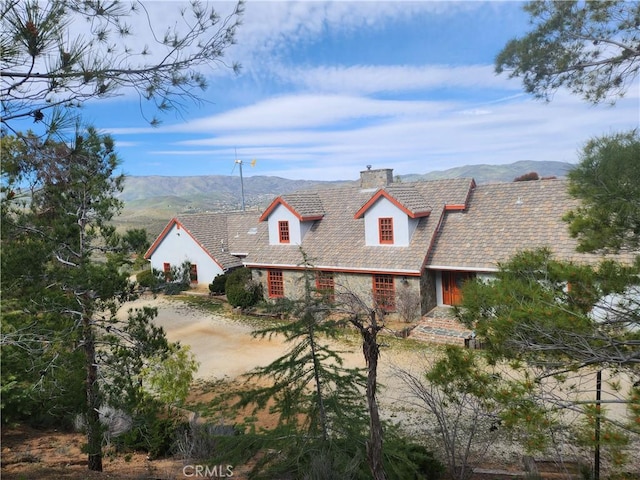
244	296
217	287
239	276
148	279
174	288
241	290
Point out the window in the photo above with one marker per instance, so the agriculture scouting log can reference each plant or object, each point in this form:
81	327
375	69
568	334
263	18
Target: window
283	230
275	284
384	292
385	229
325	285
193	273
166	268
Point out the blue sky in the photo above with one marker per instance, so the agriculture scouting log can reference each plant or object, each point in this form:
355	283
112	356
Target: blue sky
327	88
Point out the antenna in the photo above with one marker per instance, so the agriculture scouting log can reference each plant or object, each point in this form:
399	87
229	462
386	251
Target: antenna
239	163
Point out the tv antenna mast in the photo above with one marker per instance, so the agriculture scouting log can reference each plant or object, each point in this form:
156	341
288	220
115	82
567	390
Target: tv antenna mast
239	163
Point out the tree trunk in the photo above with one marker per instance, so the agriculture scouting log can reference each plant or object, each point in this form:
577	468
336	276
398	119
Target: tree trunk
371	353
316	376
94	430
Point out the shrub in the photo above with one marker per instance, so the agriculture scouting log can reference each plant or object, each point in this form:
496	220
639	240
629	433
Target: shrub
244	296
217	287
174	288
527	177
148	279
408	304
241	290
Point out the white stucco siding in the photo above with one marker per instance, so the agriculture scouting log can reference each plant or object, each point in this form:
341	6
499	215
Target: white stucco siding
177	247
402	228
280	214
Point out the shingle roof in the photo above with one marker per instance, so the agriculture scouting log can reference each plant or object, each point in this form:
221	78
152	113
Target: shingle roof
242	229
305	205
503	219
406	197
210	230
410	198
338	240
221	235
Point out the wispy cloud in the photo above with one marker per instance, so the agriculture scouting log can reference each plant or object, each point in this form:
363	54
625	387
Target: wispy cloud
371	79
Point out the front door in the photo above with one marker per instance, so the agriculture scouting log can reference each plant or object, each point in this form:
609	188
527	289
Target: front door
452	286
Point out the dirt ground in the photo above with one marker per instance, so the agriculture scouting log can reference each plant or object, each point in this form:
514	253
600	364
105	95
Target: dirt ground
225	349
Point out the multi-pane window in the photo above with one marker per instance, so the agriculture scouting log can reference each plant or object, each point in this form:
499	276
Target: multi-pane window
283	230
193	273
325	285
384	292
275	284
385	229
166	268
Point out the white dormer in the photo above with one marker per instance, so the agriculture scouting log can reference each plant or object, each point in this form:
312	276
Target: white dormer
391	216
290	217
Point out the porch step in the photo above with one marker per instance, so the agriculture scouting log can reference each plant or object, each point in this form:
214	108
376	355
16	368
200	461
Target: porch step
440	326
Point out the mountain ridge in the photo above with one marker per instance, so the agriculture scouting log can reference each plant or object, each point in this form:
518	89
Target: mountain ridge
150	201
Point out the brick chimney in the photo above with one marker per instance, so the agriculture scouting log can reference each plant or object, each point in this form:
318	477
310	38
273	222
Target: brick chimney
375	178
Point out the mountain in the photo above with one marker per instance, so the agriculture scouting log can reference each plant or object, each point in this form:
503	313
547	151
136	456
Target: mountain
496	173
151	201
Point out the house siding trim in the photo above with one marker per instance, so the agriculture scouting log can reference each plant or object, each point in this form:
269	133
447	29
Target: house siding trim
408	273
463	268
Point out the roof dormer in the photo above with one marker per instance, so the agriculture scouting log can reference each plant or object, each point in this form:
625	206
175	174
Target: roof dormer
291	216
392	214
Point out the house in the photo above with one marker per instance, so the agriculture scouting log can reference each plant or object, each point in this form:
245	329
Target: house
373	238
388	242
204	240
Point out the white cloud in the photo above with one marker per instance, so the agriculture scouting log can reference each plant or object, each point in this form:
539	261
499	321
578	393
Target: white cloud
418	138
305	111
369	79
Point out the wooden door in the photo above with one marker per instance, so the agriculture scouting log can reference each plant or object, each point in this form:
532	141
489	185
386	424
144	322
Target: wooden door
452	286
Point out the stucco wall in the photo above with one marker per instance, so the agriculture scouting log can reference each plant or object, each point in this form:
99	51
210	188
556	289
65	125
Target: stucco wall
282	213
177	247
403	226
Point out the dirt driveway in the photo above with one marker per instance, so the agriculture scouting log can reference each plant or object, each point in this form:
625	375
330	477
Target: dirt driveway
223	347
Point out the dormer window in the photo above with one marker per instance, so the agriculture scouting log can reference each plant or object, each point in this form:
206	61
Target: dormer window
391	216
283	231
385	230
291	216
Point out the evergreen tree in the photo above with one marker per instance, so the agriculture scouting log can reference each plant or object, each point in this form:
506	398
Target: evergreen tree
63	279
50	66
317	399
607	182
592	48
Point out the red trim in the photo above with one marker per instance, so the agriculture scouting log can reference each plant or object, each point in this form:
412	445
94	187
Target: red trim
284	235
383	296
336	270
158	240
281	201
275	284
453	208
385	230
383	193
325	284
